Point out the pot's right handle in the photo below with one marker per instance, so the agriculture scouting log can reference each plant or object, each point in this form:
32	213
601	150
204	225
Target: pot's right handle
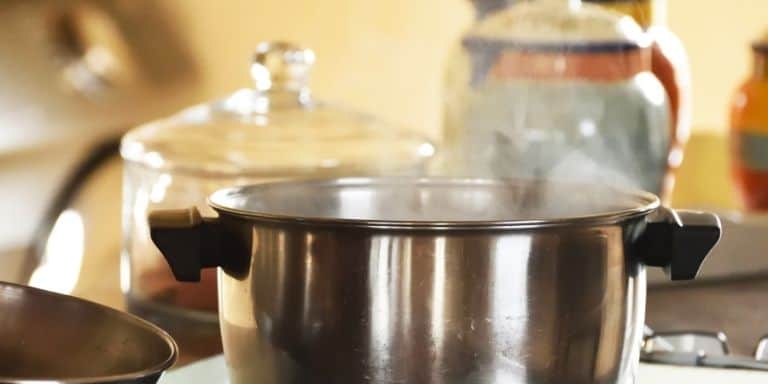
188	241
678	241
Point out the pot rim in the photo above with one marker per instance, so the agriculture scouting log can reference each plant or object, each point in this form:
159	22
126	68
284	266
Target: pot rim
647	203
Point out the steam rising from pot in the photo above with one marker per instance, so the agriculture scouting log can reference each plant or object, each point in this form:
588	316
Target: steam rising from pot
550	92
554	131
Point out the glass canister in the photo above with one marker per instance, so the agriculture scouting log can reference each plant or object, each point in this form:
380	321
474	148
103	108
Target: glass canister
275	130
556	89
669	62
749	132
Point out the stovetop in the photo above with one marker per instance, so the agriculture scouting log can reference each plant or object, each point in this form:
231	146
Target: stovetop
736	308
214	371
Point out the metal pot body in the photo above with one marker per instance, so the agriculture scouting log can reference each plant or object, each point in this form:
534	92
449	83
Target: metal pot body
313	304
432	281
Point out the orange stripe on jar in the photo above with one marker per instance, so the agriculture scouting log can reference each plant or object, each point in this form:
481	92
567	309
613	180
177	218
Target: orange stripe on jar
598	66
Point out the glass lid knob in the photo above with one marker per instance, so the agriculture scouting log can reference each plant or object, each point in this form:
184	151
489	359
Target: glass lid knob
281	66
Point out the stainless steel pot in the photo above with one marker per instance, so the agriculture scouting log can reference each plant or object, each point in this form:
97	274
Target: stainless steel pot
433	280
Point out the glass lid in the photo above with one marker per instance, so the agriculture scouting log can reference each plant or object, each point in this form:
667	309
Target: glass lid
276	127
560	25
407	202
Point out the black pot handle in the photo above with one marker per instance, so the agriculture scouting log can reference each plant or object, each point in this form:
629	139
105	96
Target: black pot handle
188	241
678	241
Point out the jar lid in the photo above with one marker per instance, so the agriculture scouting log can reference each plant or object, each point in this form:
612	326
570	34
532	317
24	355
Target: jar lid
642	11
275	128
484	8
559	25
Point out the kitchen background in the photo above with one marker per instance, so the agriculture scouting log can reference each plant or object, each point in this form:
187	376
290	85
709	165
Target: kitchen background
384	57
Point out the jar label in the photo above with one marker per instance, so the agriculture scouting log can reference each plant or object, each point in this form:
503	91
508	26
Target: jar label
753	148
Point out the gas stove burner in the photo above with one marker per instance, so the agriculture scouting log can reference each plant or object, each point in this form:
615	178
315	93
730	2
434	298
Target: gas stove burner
700	349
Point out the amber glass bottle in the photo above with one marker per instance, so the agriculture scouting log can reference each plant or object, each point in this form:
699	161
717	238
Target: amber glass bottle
670	65
749	133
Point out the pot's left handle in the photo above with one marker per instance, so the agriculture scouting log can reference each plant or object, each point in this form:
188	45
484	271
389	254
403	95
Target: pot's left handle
188	241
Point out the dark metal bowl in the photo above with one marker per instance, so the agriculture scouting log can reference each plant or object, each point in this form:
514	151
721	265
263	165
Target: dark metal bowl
51	338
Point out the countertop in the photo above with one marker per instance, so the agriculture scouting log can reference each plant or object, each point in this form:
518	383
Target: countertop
213	371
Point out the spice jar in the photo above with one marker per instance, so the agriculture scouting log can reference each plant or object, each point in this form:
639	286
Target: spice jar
556	89
749	132
275	130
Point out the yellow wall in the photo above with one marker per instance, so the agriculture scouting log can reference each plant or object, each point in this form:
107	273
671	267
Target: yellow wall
381	56
386	56
717	34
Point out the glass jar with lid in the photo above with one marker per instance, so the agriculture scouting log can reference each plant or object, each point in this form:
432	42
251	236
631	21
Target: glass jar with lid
556	89
275	130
